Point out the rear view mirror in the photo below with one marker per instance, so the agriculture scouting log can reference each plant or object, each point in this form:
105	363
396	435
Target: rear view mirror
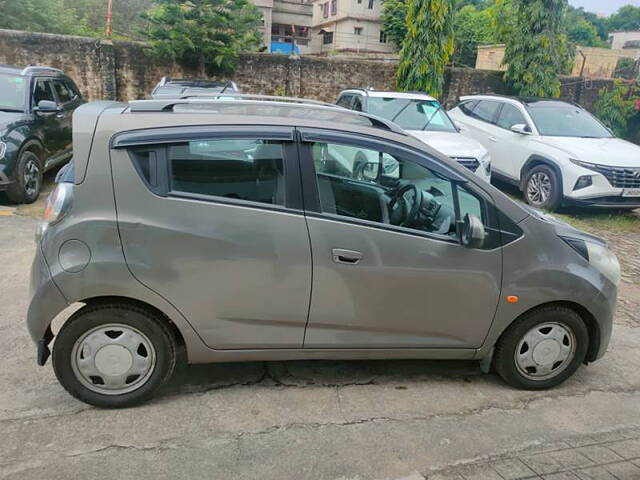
521	128
47	106
473	232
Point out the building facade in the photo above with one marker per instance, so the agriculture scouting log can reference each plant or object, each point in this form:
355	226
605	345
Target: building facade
285	21
348	26
619	39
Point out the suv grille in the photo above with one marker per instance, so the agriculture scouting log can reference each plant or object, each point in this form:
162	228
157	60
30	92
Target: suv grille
620	177
468	162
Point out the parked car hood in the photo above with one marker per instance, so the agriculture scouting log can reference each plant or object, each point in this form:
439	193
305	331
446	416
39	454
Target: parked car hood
603	151
452	144
10	120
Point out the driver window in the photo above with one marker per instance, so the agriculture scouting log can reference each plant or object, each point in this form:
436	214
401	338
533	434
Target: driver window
376	186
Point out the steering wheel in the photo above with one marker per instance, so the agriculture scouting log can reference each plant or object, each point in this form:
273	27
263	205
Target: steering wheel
410	211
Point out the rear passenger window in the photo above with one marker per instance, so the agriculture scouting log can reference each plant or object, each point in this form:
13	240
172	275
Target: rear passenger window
486	111
241	169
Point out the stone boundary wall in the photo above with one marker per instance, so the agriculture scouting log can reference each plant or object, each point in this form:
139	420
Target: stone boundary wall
123	71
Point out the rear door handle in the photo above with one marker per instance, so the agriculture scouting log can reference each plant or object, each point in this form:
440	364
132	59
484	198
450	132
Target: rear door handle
350	257
493	139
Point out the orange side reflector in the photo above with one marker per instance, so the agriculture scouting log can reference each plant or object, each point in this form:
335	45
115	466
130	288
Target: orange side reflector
512	299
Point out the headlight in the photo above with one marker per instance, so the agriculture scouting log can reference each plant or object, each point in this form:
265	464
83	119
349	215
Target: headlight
597	255
3	149
587	165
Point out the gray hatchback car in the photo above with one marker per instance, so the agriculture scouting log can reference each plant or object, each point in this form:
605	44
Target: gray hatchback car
250	230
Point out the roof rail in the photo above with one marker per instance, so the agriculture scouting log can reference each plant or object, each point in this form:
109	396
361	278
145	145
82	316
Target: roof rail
167	105
251	96
36	68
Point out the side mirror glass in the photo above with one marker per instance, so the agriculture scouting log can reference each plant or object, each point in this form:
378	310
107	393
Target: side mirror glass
473	232
47	106
521	128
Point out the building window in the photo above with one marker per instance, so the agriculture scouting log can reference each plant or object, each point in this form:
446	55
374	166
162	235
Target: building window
325	10
357	30
359	2
370	6
383	36
334	7
327	38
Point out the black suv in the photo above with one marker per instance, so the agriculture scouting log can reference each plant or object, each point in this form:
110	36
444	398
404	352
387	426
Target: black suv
36	105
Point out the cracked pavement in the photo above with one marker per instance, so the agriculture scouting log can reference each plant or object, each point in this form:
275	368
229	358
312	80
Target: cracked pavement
315	419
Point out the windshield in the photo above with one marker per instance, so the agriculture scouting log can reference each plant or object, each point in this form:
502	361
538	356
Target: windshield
12	92
557	119
412	114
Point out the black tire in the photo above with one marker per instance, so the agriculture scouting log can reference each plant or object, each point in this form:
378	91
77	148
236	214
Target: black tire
23	190
553	200
93	316
505	351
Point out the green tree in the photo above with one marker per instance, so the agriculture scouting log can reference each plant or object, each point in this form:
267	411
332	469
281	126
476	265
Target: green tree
209	34
626	18
427	47
37	16
618	109
537	51
472	27
394	19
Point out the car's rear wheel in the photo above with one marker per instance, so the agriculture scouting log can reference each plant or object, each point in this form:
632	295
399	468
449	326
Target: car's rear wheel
28	179
113	355
542	349
543	188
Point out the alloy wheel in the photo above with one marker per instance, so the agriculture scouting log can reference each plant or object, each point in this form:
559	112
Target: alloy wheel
539	188
31	177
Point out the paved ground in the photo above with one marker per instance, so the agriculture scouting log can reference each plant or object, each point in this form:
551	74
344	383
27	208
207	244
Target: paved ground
321	420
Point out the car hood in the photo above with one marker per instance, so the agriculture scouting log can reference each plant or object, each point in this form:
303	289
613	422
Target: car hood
603	151
452	144
9	120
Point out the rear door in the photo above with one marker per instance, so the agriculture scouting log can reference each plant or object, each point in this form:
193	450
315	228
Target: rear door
212	220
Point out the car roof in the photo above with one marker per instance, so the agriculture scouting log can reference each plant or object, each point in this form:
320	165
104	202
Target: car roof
31	70
527	101
389	94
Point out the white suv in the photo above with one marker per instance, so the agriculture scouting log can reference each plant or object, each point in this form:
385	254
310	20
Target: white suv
423	117
557	153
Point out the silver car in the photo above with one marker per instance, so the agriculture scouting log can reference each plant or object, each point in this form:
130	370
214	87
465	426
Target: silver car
249	230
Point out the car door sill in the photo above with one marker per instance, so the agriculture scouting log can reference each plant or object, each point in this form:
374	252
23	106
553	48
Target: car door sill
333	354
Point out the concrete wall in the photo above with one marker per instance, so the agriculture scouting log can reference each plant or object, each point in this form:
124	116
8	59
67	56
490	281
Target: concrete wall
121	70
618	39
589	61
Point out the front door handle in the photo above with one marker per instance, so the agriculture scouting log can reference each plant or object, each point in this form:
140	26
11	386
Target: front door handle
350	257
493	139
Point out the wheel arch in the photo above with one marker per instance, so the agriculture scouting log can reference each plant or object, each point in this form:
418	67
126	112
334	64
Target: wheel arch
535	160
587	317
120	300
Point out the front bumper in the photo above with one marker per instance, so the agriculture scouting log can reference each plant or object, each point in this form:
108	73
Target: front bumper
4	181
611	201
46	301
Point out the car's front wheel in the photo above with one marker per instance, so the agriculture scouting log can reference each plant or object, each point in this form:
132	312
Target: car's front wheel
28	179
543	188
113	355
542	348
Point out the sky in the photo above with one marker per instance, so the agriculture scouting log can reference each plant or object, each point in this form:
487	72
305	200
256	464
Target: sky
603	6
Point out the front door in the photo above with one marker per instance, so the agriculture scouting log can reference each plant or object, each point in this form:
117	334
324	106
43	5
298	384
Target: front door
388	269
213	222
48	124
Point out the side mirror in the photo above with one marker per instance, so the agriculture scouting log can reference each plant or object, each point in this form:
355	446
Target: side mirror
47	106
521	128
473	232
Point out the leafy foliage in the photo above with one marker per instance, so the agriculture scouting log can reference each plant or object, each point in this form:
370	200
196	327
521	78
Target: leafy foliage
394	19
586	28
427	47
537	51
472	27
626	18
206	33
74	17
618	109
